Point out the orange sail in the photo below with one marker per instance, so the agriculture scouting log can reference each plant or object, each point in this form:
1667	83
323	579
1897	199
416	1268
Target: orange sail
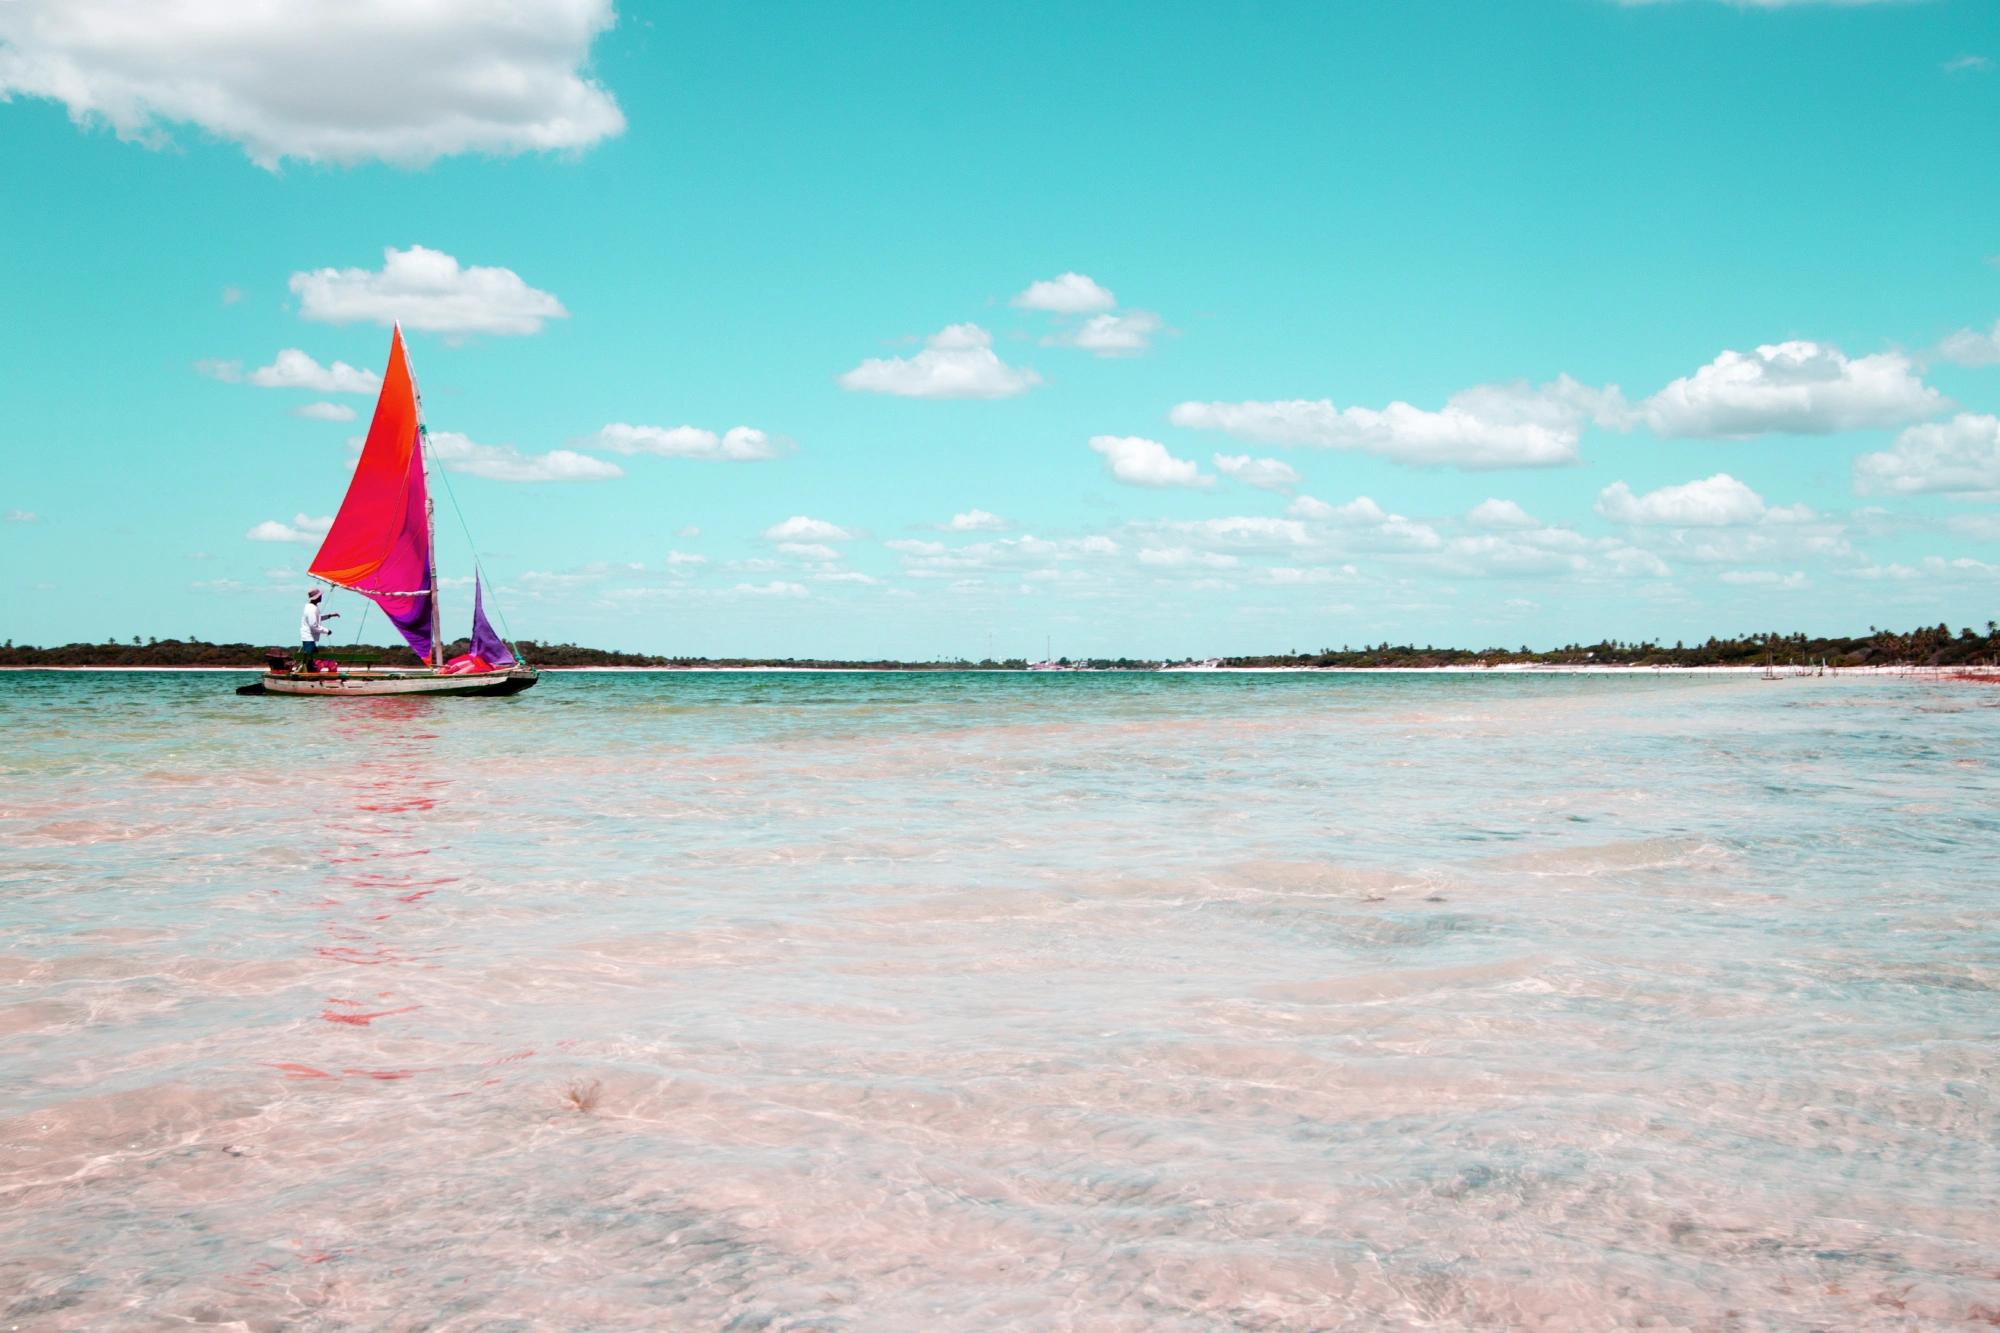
380	542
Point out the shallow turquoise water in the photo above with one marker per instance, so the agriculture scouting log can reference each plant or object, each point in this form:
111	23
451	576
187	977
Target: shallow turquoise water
984	1001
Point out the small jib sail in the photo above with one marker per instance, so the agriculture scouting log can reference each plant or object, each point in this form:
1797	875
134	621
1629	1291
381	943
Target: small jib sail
485	643
380	542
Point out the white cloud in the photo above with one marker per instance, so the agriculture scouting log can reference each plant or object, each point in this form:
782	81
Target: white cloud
1179	557
503	462
302	528
1792	388
1631	562
936	560
1360	509
1562	404
1141	462
324	412
1068	294
1111	335
739	443
1292	576
1267	474
684	559
1967	65
1105	332
976	520
799	528
1983	527
690	532
1311	508
808	551
1970	347
1396	533
1318	535
1937	564
293	369
1763	578
1898	572
1956	457
1770	539
338	81
22	516
1486	426
1493	554
1254	532
957	362
425	289
775	588
1545	551
1366	525
1501	514
1717	501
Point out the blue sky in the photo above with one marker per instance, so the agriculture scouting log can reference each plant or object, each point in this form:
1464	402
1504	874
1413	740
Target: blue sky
1421	321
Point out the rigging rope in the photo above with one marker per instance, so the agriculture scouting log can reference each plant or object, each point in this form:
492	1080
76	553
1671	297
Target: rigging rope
478	568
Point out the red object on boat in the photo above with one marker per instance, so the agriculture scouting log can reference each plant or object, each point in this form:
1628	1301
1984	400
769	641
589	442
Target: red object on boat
461	665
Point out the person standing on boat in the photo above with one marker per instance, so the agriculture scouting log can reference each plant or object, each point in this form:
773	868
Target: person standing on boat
311	623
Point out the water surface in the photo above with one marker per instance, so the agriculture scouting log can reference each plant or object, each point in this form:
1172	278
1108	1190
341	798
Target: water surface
1001	1001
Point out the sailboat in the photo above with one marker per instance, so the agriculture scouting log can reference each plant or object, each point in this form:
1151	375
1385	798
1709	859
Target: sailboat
383	545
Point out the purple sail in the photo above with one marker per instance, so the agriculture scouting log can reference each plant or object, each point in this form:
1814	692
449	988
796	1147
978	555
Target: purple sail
485	643
412	615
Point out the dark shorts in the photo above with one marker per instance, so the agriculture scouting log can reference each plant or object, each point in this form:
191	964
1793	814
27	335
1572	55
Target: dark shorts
307	650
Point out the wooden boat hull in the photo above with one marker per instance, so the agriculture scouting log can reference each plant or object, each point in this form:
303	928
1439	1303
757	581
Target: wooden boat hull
370	684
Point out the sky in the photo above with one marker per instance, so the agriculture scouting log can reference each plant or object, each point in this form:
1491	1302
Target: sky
947	329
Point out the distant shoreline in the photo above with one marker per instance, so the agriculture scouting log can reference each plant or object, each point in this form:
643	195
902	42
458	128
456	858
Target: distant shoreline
1503	669
1934	647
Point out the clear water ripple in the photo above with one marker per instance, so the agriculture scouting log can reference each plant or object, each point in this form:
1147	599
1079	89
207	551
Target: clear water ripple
975	1001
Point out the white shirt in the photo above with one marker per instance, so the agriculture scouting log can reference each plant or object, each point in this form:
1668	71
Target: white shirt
309	623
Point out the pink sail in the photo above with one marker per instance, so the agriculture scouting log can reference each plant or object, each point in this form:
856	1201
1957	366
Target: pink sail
380	542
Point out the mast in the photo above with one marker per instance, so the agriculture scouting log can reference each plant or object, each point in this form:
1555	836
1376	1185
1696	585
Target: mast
431	531
430	503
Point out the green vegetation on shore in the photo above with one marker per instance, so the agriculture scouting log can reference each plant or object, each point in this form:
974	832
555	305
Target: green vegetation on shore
556	656
1934	645
1926	646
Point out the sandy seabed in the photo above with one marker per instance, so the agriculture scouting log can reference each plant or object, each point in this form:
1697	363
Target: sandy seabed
970	1001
